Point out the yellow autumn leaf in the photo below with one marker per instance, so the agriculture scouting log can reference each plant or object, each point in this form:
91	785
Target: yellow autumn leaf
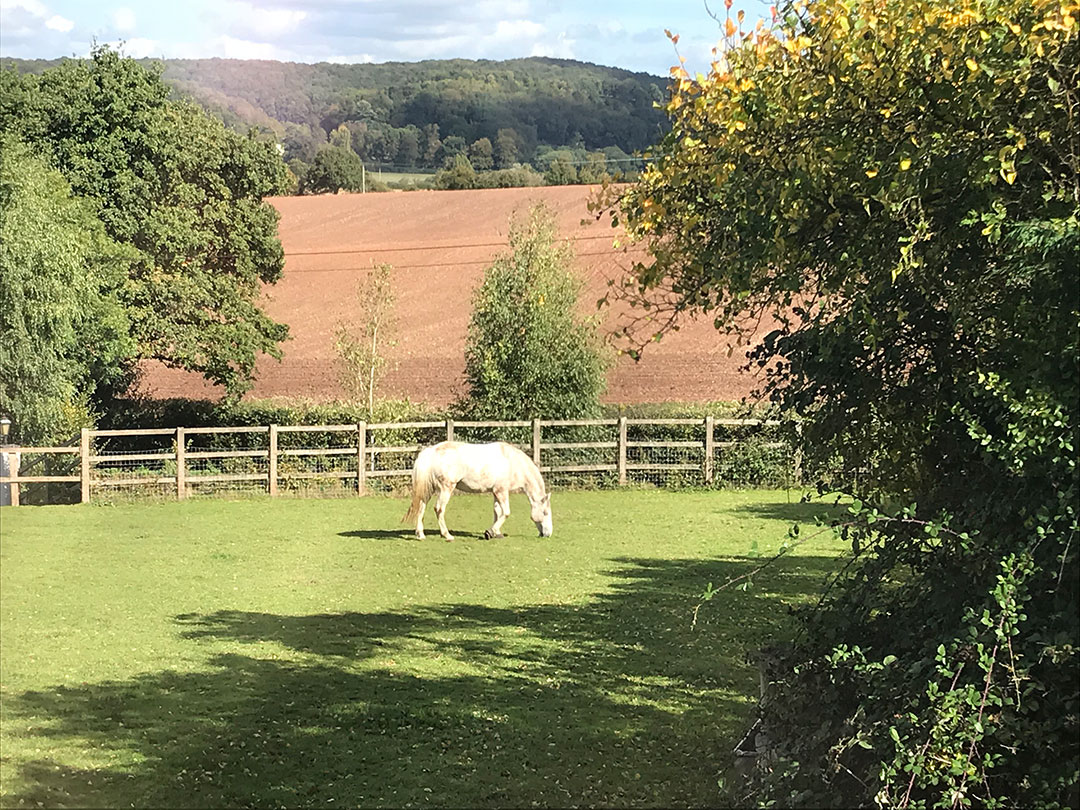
905	164
729	27
871	173
972	65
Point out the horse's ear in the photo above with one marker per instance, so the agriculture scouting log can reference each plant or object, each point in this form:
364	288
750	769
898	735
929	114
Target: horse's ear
547	498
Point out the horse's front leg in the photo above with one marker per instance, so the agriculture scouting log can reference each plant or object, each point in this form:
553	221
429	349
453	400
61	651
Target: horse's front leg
502	511
440	511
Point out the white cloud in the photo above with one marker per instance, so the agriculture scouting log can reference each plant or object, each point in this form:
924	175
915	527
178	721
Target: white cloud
518	29
30	6
247	21
124	20
58	23
351	59
142	48
234	48
559	48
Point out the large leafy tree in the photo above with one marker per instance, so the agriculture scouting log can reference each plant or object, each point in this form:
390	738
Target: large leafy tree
172	182
63	333
334	168
529	351
898	185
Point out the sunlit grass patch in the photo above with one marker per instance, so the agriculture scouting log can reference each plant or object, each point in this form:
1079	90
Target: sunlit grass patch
265	652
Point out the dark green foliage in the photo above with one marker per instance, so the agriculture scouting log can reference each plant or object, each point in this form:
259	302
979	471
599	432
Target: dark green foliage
460	174
913	222
561	172
177	186
334	168
529	353
481	154
517	177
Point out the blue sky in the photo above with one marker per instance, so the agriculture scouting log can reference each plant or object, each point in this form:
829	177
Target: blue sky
621	34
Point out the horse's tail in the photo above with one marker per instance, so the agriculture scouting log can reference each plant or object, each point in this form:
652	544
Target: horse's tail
423	485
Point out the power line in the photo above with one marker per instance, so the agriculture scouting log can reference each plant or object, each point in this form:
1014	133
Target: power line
411	248
353	269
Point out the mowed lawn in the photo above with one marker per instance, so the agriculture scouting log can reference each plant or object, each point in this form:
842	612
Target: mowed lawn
310	652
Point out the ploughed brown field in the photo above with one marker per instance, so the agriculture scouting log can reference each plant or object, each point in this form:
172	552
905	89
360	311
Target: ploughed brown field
439	243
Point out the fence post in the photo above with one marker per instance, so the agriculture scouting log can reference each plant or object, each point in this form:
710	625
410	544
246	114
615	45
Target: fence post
622	451
13	471
271	468
798	454
181	464
361	452
449	430
536	442
710	448
84	465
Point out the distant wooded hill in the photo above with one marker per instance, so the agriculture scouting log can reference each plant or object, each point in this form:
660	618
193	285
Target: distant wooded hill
422	115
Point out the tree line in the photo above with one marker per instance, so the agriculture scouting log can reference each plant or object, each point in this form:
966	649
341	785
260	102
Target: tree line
427	116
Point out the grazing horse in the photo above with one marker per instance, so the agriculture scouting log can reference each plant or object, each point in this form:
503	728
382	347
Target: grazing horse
498	468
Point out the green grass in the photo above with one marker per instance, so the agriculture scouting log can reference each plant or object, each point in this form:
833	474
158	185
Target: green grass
291	652
401	177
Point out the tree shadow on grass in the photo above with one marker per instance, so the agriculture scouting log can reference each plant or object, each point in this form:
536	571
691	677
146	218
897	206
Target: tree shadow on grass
614	701
796	511
407	534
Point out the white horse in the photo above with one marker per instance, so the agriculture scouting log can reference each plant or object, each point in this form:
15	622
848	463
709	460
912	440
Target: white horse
498	468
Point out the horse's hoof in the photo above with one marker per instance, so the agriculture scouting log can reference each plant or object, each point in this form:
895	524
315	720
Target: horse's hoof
448	537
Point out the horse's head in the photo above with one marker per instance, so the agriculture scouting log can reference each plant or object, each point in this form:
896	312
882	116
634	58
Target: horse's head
541	515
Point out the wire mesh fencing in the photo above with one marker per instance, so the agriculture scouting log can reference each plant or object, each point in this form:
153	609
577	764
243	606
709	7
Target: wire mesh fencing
123	465
355	459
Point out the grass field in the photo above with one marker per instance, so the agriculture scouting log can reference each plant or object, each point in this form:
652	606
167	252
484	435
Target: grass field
303	652
400	177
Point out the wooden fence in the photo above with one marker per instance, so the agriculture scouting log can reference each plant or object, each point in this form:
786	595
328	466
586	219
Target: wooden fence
357	458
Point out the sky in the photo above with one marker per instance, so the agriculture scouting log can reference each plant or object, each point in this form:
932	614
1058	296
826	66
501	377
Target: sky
627	34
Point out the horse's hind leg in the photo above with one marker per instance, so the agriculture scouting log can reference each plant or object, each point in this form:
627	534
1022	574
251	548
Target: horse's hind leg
502	511
420	520
440	511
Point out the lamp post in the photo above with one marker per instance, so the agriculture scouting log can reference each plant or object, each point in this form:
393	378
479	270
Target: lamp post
5	429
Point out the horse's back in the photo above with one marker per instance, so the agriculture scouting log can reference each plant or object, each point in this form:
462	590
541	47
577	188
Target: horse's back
479	467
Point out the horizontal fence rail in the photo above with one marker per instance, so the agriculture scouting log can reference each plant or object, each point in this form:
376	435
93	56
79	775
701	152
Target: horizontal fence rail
355	459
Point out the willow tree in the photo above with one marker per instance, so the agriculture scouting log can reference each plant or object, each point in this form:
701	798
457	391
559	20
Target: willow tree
63	333
898	185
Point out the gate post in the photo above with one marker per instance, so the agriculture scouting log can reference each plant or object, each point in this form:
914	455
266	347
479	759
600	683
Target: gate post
710	448
361	452
181	464
798	454
84	465
271	467
622	451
